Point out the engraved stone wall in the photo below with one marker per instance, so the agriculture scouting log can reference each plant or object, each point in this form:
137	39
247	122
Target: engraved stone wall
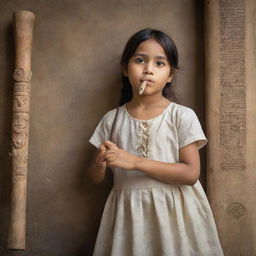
232	85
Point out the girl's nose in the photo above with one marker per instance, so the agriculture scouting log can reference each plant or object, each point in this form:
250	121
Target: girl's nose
148	69
148	72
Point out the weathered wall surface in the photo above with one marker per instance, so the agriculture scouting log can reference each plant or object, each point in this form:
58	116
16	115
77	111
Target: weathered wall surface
75	65
230	83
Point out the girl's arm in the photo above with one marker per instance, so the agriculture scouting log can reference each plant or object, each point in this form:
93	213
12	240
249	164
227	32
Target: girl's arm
97	168
184	173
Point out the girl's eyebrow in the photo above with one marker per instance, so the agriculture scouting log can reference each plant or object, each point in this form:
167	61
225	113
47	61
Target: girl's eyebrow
144	55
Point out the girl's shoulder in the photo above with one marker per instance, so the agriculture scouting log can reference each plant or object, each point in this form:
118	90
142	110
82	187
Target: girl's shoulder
188	126
109	115
180	111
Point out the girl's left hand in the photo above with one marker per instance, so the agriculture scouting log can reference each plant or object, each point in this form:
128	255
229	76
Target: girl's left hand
118	157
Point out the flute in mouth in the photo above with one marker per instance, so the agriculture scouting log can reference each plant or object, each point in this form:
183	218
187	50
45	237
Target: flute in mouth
142	87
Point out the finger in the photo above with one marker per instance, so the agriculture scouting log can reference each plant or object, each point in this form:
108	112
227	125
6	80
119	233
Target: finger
110	157
101	158
110	151
102	147
102	154
110	145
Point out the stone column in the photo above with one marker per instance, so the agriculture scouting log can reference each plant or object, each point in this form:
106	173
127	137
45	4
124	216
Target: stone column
230	65
23	29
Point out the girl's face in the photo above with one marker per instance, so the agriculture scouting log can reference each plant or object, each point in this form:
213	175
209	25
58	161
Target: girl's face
149	63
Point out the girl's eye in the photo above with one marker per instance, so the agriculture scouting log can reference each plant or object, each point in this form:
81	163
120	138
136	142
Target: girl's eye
139	60
160	63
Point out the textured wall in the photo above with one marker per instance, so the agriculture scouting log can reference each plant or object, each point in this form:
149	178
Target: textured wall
231	93
75	67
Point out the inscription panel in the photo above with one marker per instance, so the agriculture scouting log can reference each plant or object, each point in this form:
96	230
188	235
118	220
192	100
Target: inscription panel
232	85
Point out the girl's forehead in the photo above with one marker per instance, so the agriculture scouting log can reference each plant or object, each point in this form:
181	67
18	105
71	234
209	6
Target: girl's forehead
150	47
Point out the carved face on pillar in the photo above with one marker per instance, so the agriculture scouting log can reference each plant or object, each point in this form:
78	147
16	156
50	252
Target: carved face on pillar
20	123
19	157
21	103
19	139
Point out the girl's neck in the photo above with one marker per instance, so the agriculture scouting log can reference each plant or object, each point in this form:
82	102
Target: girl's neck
148	101
146	107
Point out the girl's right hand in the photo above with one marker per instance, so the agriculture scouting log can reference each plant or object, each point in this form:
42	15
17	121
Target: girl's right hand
101	159
97	167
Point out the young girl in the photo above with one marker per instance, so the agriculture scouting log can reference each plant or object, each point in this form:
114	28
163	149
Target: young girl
157	206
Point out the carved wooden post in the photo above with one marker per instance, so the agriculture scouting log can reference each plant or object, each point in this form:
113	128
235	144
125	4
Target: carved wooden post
231	95
23	25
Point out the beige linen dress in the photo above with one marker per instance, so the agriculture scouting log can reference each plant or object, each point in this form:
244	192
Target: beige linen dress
146	217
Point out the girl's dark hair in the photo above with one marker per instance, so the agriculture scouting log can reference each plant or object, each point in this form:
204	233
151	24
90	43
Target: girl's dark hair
171	53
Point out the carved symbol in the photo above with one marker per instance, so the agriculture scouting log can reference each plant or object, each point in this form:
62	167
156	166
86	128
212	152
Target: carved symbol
12	236
19	174
236	210
22	87
21	103
19	139
19	158
21	76
20	122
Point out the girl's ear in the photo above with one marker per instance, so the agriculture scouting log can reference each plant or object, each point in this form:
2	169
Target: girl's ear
171	76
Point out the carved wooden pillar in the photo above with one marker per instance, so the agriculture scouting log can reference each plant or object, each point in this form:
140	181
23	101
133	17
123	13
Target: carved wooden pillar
230	61
23	24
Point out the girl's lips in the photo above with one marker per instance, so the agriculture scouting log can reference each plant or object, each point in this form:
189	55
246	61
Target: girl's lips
147	80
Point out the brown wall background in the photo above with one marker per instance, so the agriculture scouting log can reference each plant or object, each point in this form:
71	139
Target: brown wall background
76	79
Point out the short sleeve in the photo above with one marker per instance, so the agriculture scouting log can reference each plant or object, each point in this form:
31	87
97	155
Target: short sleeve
103	129
190	130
